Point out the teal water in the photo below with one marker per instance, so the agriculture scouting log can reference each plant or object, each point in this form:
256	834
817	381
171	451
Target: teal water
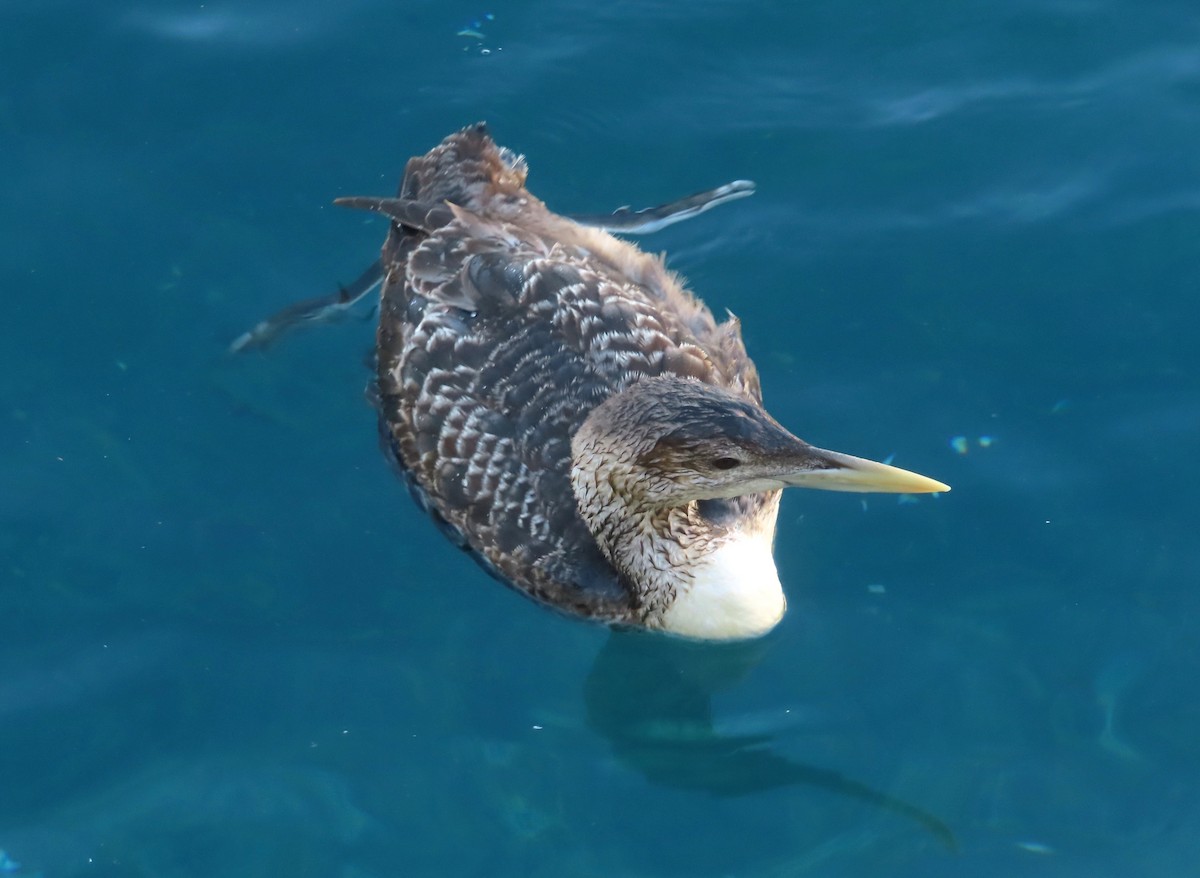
230	645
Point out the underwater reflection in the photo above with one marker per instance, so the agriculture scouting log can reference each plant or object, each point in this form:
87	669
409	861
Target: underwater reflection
650	697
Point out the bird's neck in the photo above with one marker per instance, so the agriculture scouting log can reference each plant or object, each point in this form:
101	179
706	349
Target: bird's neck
689	577
733	592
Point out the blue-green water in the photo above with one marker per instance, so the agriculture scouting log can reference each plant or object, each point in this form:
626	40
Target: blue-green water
230	645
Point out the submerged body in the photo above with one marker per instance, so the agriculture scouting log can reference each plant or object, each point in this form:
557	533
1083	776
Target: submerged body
572	415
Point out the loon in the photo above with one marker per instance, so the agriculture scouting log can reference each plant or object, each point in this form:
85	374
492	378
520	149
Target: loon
571	415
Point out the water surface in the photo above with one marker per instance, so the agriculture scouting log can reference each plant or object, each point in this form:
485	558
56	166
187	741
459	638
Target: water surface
230	645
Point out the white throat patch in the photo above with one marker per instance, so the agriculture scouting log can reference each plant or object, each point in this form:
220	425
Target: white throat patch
735	593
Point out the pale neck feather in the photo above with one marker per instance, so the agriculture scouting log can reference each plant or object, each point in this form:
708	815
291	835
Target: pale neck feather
733	591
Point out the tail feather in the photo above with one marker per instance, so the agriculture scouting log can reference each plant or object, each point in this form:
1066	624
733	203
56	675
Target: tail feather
467	168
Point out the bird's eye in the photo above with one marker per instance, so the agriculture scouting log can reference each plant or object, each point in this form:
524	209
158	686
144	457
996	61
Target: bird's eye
726	462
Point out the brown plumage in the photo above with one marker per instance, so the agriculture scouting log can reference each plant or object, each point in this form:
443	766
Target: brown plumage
569	412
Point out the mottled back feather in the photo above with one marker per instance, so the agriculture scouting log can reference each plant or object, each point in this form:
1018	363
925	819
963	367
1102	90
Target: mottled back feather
501	326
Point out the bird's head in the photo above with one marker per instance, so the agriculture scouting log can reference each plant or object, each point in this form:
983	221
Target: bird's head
667	441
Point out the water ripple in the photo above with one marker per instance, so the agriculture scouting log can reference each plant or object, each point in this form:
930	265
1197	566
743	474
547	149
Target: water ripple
233	26
1144	74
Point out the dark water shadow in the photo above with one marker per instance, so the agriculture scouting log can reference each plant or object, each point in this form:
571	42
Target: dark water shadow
650	697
